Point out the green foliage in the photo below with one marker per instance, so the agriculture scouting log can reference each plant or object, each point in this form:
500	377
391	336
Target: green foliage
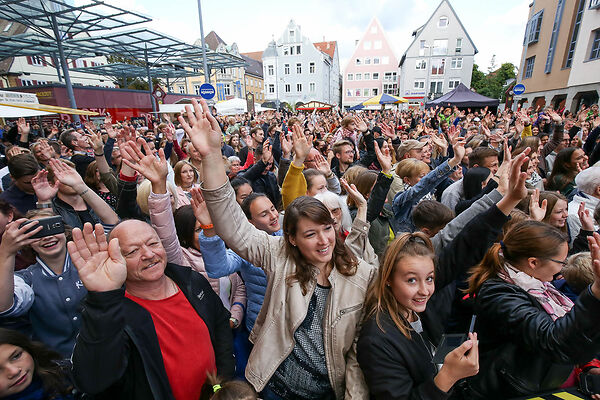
137	83
494	83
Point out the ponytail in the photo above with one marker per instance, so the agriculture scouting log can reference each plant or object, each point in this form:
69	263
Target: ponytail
489	267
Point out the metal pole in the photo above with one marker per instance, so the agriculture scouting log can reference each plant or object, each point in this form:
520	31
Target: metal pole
65	67
168	86
150	89
204	63
57	66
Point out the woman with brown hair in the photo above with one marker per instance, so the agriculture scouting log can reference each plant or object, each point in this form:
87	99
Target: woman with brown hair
186	177
304	338
557	210
93	180
568	163
403	327
532	335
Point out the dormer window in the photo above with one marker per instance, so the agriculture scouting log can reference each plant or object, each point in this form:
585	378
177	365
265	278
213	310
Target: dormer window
292	35
443	22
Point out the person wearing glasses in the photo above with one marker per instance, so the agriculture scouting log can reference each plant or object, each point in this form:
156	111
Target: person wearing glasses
531	335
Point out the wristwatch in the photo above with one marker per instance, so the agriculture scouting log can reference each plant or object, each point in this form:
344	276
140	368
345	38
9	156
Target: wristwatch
236	323
43	205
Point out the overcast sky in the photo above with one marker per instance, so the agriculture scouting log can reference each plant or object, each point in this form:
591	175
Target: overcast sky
496	27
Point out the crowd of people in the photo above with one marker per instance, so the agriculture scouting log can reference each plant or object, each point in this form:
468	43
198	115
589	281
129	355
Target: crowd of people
385	254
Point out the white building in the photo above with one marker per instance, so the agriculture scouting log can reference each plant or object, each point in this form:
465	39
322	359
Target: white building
297	70
40	70
439	57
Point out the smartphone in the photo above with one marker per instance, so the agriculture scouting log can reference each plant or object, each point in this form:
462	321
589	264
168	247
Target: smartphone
451	342
50	226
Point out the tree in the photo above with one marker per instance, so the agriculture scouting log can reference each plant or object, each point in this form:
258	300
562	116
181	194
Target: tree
494	83
137	83
477	78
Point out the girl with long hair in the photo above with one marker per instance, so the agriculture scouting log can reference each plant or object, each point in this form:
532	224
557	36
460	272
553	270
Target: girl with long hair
531	334
304	338
567	165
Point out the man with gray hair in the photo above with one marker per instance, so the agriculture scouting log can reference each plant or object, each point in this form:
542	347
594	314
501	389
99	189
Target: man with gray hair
588	192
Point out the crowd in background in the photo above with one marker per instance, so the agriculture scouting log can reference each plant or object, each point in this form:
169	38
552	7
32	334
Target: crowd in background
302	255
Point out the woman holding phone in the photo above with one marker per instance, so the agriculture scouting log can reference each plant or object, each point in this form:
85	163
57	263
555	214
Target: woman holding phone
49	291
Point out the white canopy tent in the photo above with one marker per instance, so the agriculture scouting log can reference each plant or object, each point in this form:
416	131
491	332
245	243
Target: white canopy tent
232	107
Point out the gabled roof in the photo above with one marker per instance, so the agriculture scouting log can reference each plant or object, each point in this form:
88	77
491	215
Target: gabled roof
326	47
255	55
253	67
213	40
417	32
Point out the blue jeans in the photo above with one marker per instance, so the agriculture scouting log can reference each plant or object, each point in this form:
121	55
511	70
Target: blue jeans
267	394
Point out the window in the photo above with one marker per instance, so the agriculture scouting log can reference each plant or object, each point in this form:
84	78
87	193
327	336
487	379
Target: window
377	44
375	91
7	27
419	84
350	77
312	87
532	31
292	50
298	87
440	47
298	49
443	22
286	69
288	88
286	51
358	62
554	37
375	76
357	93
227	89
453	83
422	48
367	61
38	60
373	29
437	66
421	64
348	93
366	92
358	77
367	45
270	69
574	34
529	67
311	67
594	4
456	63
385	60
458	45
271	88
181	89
292	37
367	76
299	68
436	87
26	82
197	90
376	60
390	88
595	52
390	76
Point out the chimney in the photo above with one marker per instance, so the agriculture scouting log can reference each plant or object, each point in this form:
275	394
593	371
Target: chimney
356	42
328	45
323	37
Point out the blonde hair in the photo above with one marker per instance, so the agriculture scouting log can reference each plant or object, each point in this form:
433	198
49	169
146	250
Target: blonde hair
143	192
380	298
410	167
578	272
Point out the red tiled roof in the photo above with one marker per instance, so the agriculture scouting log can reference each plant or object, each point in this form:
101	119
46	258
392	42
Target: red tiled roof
255	55
326	47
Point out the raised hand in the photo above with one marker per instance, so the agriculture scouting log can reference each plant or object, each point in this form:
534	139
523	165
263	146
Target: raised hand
458	146
286	145
153	168
387	131
594	242
23	126
108	126
170	133
46	149
536	211
67	175
16	237
587	221
361	125
353	193
199	207
460	363
384	157
301	144
202	128
97	142
267	154
44	191
322	164
101	265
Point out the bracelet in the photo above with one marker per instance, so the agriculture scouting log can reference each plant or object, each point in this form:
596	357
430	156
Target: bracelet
85	191
99	155
211	226
42	205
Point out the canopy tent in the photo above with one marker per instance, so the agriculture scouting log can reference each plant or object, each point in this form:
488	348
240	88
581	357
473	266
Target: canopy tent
312	105
384	98
19	104
359	106
231	107
259	108
462	96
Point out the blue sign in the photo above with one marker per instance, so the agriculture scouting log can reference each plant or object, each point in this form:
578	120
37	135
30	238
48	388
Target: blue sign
519	89
207	91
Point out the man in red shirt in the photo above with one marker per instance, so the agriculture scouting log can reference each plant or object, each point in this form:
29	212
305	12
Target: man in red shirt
150	329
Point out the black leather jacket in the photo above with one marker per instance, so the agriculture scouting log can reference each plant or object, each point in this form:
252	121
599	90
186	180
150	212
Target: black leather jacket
522	351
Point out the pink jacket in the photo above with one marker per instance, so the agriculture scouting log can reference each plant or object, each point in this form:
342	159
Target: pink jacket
182	198
161	216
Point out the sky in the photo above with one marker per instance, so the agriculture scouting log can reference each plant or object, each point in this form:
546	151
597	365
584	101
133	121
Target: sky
496	27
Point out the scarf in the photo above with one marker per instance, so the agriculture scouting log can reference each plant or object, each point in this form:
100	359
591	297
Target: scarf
553	302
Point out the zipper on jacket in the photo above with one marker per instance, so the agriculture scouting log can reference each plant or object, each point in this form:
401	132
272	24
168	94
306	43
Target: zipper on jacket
329	358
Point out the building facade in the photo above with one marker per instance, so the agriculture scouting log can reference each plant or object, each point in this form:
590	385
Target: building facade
41	69
296	70
440	57
372	69
560	62
253	78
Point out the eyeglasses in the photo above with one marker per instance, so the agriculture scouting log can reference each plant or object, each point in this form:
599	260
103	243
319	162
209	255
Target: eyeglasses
563	263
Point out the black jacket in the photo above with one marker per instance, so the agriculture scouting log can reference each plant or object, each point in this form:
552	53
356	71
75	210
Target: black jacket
522	351
117	355
397	367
